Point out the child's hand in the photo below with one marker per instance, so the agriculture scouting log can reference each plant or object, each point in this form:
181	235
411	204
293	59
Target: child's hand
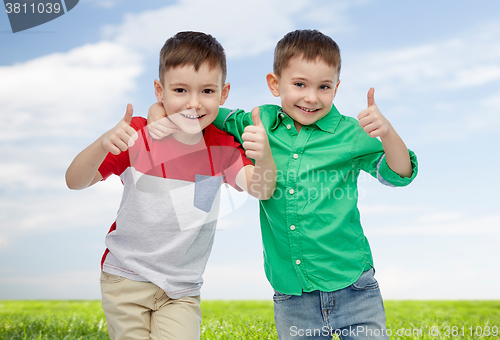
122	136
372	120
255	139
159	126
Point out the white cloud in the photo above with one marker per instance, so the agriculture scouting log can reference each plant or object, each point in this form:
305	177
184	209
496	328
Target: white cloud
440	217
31	212
244	28
45	104
60	280
446	224
13	173
330	16
380	209
489	109
462	119
245	280
59	285
435	85
63	94
468	61
449	283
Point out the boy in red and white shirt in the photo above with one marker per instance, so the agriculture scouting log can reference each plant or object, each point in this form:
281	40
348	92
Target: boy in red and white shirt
158	247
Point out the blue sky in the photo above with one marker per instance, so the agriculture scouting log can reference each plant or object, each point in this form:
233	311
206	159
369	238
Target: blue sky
435	67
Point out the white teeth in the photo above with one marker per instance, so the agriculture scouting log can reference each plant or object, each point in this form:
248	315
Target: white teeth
192	117
308	110
191	114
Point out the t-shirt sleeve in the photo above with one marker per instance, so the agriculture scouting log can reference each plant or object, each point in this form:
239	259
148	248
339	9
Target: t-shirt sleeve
234	160
114	164
369	156
233	122
117	164
237	162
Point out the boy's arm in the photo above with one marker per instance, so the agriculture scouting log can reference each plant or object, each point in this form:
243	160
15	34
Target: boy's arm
376	125
234	122
83	171
259	180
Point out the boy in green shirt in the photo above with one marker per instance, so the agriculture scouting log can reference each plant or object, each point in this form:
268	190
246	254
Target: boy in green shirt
316	255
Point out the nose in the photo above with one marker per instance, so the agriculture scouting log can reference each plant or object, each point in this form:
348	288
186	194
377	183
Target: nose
194	102
311	96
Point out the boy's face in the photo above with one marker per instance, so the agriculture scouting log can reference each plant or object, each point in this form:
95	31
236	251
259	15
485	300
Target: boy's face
191	98
306	88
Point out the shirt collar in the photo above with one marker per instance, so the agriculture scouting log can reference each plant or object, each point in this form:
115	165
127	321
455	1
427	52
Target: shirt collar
328	123
280	114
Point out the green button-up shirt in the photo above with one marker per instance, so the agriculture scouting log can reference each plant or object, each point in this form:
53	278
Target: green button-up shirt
311	231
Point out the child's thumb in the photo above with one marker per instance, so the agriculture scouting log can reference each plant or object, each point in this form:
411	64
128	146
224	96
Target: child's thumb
371	97
128	115
256	117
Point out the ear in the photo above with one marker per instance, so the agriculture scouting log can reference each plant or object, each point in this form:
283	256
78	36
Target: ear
224	93
336	88
158	90
272	83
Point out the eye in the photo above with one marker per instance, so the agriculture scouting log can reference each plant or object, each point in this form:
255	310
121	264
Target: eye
324	87
180	90
299	84
208	91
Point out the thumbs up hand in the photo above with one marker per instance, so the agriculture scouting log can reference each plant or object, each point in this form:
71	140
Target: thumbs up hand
122	136
255	140
371	119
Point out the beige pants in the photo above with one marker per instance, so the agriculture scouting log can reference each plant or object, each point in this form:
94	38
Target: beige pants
140	310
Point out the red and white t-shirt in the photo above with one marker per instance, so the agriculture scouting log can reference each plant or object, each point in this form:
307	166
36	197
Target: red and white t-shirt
165	225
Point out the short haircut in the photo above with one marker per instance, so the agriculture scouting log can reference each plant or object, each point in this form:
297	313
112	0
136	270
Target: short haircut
192	48
308	44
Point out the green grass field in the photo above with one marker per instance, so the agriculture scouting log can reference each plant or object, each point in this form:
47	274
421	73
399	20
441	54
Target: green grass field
250	320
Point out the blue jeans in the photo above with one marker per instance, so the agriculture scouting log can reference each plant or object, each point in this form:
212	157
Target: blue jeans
354	312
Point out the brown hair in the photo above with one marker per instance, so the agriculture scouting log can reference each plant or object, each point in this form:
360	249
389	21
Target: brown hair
308	44
193	48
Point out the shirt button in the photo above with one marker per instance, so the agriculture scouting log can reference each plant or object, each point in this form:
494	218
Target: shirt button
295	156
298	261
288	126
282	115
292	227
291	191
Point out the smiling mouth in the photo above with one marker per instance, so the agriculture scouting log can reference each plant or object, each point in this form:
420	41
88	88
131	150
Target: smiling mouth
307	110
193	117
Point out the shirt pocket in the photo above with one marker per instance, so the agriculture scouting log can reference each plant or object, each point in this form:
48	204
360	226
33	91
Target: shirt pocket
205	191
